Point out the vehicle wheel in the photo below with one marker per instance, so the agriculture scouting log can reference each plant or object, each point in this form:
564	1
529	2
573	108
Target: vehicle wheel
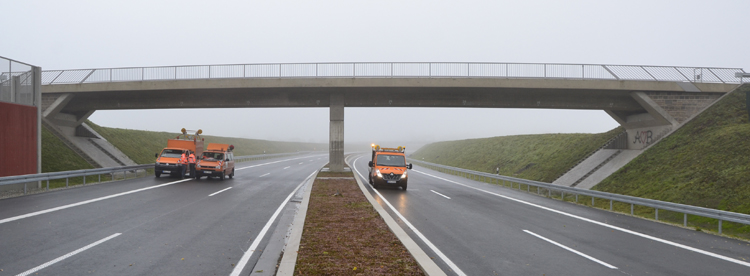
370	179
374	185
232	175
157	174
197	177
403	186
221	176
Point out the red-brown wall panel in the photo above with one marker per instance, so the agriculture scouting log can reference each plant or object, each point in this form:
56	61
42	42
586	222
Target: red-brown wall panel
18	138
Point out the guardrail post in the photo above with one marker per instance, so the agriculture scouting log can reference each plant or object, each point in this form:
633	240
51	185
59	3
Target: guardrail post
24	188
576	198
610	205
100	178
657	213
549	193
84	180
66	182
528	187
562	194
592	201
47	184
684	220
719	227
631	209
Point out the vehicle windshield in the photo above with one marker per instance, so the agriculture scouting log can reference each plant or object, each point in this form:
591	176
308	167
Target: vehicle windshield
391	160
172	153
213	155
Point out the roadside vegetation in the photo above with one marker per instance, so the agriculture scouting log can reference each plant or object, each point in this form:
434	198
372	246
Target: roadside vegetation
344	235
705	163
141	145
543	157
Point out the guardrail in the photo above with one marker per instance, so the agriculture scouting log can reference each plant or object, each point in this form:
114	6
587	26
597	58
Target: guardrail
29	178
400	70
540	186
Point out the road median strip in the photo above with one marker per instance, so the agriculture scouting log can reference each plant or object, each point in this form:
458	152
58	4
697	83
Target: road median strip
343	234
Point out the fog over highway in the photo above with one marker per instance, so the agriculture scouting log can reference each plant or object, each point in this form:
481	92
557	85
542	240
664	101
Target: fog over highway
107	34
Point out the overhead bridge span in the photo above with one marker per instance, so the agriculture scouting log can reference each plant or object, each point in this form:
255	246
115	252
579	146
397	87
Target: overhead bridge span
653	98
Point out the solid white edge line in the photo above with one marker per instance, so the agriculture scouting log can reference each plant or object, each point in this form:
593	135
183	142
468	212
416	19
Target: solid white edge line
287	167
219	191
424	239
246	257
88	201
63	257
572	250
696	250
440	194
264	175
274	162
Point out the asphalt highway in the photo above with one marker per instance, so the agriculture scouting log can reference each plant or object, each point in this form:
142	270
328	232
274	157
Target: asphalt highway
151	226
475	228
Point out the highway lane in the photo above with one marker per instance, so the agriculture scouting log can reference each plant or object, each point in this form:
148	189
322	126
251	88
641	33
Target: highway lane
192	227
485	229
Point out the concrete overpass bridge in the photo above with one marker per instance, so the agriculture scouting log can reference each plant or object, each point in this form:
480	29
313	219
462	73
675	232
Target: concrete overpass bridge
648	101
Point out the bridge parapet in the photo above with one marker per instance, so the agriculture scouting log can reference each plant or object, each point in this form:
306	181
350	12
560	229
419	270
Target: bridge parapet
402	70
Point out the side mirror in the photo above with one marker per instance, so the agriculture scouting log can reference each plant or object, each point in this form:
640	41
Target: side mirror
369	164
156	155
409	166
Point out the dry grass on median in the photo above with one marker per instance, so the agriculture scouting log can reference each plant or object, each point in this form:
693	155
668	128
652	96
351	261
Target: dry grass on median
344	235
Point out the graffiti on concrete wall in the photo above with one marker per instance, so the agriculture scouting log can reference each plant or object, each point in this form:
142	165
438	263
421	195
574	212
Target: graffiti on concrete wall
643	137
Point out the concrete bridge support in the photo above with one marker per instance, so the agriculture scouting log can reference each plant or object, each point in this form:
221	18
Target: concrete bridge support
336	138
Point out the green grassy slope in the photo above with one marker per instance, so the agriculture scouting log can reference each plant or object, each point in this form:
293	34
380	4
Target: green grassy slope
141	145
705	163
56	156
537	157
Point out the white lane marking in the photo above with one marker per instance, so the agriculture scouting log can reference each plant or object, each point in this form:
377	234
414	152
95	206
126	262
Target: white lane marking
572	250
264	175
246	257
311	160
271	163
434	248
300	163
220	191
88	201
440	194
286	167
696	250
63	257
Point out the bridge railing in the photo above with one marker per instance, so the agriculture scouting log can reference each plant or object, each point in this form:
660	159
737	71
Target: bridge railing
400	70
549	189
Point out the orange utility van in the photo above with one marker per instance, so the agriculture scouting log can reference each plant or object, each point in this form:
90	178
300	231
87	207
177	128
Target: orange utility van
388	167
216	161
168	162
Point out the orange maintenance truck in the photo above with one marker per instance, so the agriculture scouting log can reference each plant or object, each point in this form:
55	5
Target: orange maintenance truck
388	167
168	162
216	161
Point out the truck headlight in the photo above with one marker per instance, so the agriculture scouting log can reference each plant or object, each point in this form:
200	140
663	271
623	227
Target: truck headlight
378	173
403	175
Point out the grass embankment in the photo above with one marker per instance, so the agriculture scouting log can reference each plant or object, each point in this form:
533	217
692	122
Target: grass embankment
705	163
141	145
543	157
344	235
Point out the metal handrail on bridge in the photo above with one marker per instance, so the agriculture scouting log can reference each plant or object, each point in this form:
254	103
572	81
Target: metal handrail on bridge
401	70
656	204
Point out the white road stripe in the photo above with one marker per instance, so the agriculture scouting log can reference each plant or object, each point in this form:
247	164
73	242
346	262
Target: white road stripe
220	191
696	250
434	248
264	175
440	194
572	250
286	167
300	163
63	257
88	201
253	166
246	257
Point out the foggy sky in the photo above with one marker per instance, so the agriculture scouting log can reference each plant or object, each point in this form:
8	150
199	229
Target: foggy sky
110	34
